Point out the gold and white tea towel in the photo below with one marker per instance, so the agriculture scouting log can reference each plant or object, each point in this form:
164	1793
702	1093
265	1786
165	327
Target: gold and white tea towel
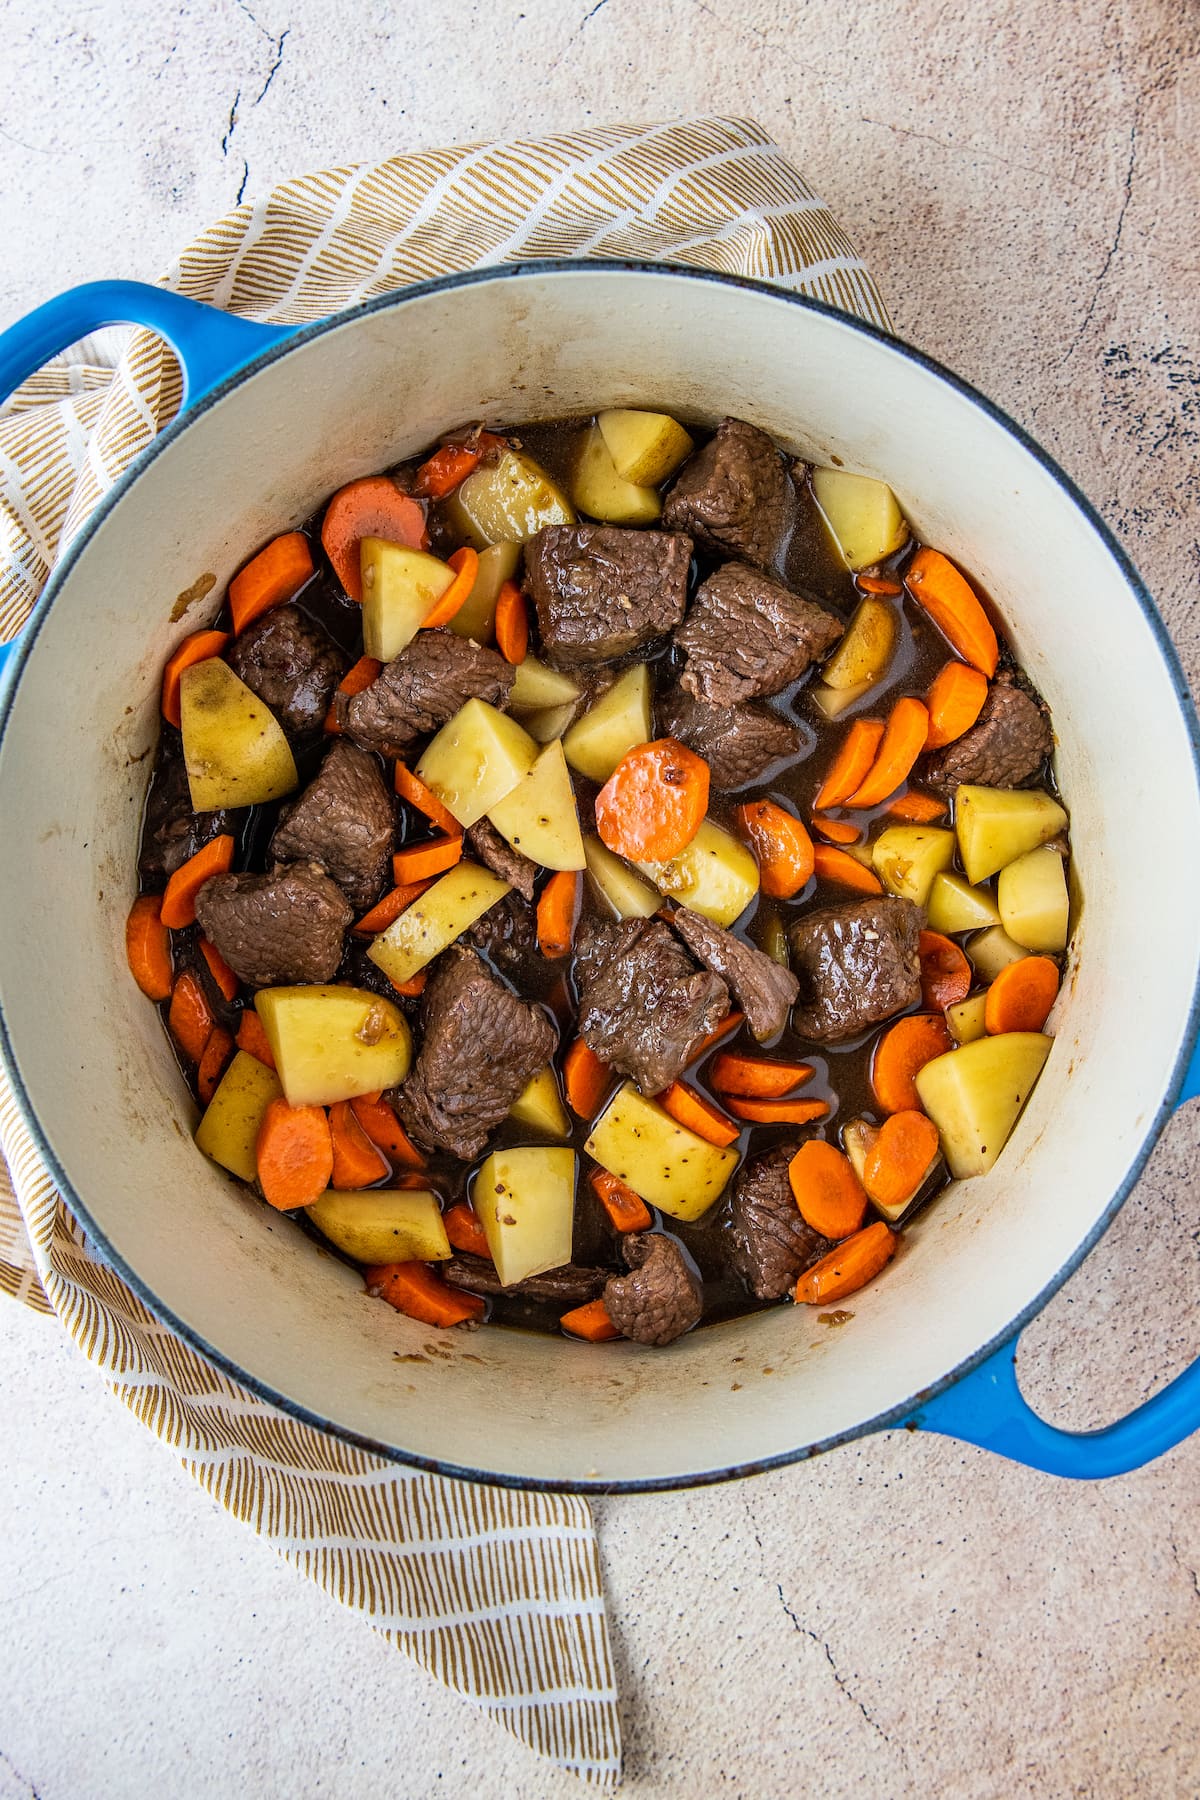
497	1593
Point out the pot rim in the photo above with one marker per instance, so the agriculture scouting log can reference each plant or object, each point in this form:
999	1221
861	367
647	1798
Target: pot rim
161	444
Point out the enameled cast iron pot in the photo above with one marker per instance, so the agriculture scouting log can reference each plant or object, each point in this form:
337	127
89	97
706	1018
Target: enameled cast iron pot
275	420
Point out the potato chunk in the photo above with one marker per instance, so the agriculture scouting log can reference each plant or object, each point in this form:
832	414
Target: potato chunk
476	617
603	494
714	875
383	1225
506	502
540	818
668	1165
974	1095
434	920
1034	906
993	950
862	657
331	1043
617	723
646	447
228	1131
539	1107
996	825
966	1019
616	885
475	759
907	857
864	519
525	1201
537	686
954	905
548	722
833	702
234	748
400	589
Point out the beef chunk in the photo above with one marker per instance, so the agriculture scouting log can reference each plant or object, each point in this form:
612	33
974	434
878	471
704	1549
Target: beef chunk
274	930
292	665
1005	747
660	1298
172	831
643	1004
746	635
344	820
760	986
507	931
735	496
423	687
858	965
481	1048
498	855
601	591
565	1287
739	743
770	1245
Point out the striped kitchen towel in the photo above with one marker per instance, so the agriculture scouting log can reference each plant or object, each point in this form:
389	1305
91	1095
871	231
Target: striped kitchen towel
497	1593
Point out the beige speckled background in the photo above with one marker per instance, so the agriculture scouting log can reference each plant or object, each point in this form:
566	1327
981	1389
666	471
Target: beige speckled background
905	1617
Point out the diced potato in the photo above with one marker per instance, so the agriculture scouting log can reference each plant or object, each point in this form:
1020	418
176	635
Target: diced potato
1034	907
616	885
549	722
619	721
383	1225
525	1200
228	1131
907	857
645	447
331	1043
974	1095
965	1019
540	1106
536	685
434	920
506	502
858	1140
715	875
475	759
601	493
863	655
664	1162
476	617
833	702
234	748
540	818
954	905
862	514
993	950
996	825
400	589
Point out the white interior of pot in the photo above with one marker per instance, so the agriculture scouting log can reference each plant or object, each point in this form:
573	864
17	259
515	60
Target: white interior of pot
91	1053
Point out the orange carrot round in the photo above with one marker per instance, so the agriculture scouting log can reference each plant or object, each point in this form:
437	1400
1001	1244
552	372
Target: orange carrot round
901	1156
275	575
465	563
384	1129
558	911
190	1017
654	802
355	681
875	584
756	1077
902	742
626	1210
847	1268
385	912
252	1038
781	846
832	864
227	982
413	986
294	1154
916	809
179	901
732	1022
586	1079
836	831
955	700
901	1054
464	1229
217	1053
445	470
148	948
512	623
951	602
411	788
413	1288
1021	995
778	1112
945	971
198	648
828	1192
849	767
372	507
357	1162
420	862
591	1322
692	1110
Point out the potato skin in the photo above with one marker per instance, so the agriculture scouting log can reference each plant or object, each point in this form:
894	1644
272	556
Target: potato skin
975	1094
234	748
383	1225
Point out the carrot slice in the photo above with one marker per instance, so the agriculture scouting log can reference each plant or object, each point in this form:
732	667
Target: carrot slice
413	986
227	982
148	948
847	1268
781	845
465	563
464	1230
756	1077
586	1079
1021	996
951	602
590	1321
900	1158
626	1210
268	579
370	507
875	584
198	648
355	681
179	902
729	1024
945	971
829	1194
512	623
384	1129
849	767
832	864
917	809
654	802
190	1017
217	1053
357	1162
386	911
558	911
414	1289
252	1038
411	788
837	831
955	700
691	1109
901	1054
420	862
902	743
778	1112
445	470
294	1154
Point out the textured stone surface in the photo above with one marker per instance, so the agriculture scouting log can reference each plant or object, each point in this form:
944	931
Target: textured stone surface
905	1617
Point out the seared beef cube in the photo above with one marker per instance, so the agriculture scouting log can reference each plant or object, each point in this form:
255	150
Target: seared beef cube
644	1006
292	665
735	496
601	591
497	854
760	986
506	932
770	1244
858	964
1005	747
422	688
172	831
345	821
739	743
565	1288
481	1048
276	930
746	635
661	1298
